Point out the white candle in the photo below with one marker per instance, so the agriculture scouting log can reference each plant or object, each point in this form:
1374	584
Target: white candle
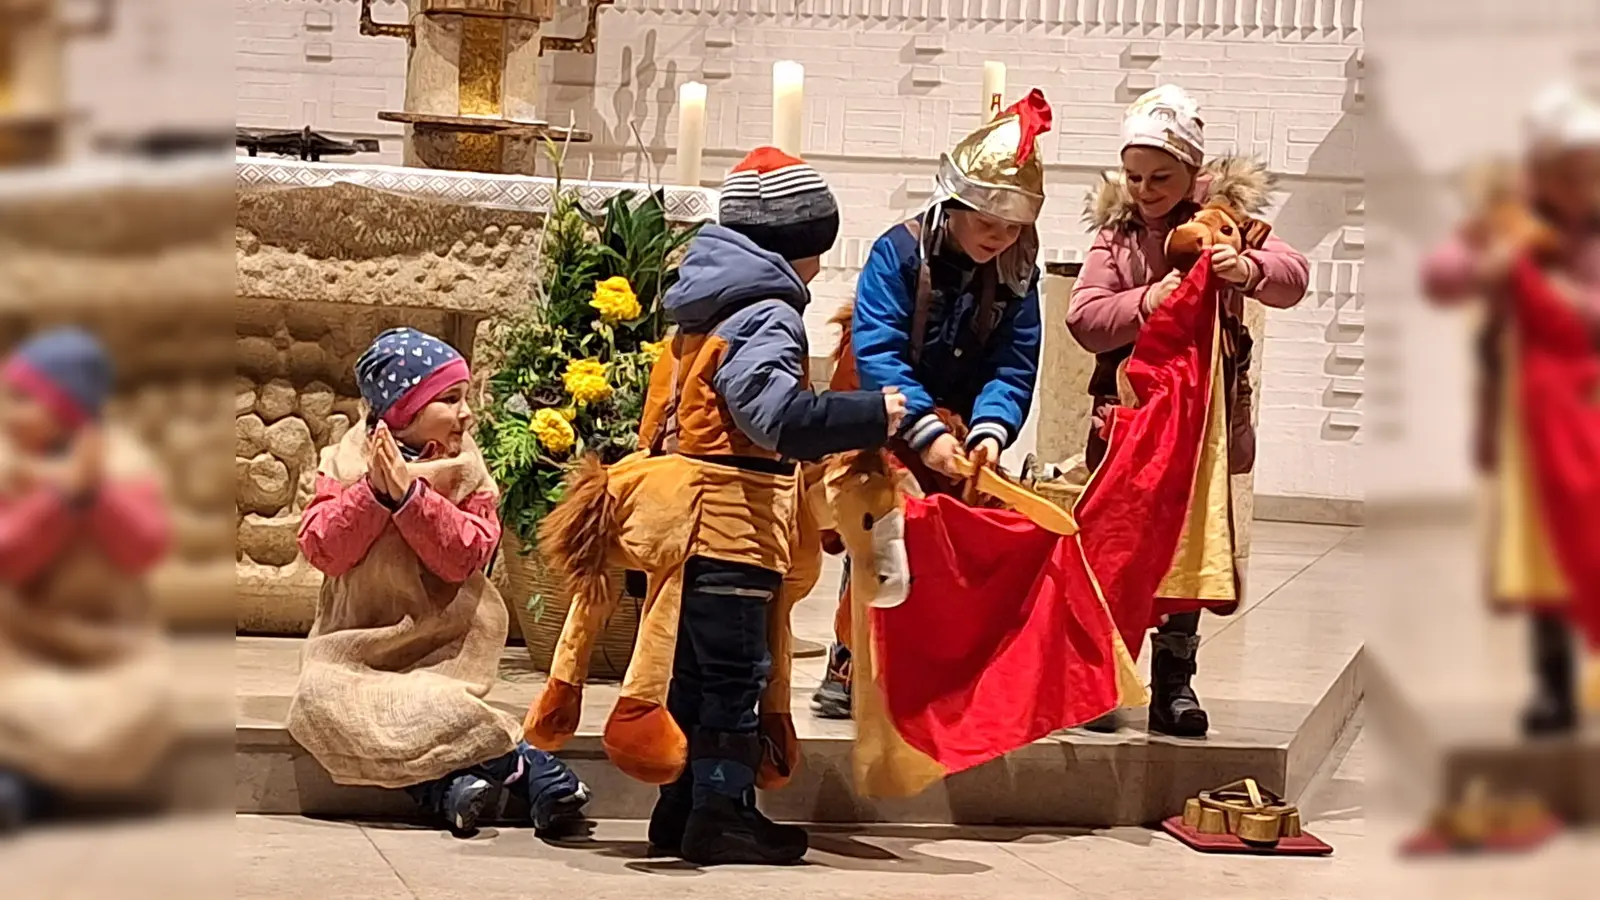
994	90
788	106
691	131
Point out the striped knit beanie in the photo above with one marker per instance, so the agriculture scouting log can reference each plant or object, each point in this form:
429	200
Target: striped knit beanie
781	204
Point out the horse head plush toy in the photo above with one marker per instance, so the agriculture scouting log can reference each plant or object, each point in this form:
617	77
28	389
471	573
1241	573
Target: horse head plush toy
1217	224
1498	210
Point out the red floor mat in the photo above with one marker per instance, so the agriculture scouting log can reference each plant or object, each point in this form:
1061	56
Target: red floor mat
1432	843
1306	844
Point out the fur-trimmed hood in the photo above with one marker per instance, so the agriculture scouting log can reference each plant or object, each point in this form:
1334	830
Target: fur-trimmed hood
1244	183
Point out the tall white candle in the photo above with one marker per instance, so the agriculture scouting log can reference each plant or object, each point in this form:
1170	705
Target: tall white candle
994	89
788	106
691	131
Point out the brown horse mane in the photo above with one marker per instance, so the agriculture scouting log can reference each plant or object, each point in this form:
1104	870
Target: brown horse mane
841	318
865	462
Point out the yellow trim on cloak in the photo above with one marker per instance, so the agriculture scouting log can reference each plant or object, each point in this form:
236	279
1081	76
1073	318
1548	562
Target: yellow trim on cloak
1203	568
1525	568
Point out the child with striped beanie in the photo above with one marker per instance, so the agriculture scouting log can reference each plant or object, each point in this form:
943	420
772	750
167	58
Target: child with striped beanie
731	398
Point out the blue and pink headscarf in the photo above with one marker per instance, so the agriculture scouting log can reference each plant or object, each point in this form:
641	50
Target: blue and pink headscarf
67	370
403	371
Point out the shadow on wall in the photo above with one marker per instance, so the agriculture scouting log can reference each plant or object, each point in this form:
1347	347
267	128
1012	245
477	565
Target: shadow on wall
642	85
1305	219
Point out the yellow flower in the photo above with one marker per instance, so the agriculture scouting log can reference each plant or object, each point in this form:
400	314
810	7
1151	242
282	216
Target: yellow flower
652	350
585	380
553	431
615	300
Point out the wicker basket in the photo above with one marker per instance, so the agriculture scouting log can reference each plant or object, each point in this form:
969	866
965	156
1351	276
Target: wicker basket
541	603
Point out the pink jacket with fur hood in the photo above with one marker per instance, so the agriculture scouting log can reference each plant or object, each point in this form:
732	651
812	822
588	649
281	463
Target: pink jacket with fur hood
1127	256
1106	311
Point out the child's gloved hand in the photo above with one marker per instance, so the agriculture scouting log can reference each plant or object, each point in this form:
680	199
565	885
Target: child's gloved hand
944	456
894	403
1157	294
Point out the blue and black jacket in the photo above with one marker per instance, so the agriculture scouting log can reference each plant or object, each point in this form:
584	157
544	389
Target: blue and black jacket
979	350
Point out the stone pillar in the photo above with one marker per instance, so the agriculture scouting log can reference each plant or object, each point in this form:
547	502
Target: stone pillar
32	95
472	81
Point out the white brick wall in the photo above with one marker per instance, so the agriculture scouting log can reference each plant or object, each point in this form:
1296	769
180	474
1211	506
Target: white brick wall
891	83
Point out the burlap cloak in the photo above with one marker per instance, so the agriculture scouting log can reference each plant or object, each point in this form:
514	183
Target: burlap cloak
398	662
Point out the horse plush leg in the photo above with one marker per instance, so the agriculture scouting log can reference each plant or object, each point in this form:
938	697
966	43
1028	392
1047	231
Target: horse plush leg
780	756
641	737
552	720
577	539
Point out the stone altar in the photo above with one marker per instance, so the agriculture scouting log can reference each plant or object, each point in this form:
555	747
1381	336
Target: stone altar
328	256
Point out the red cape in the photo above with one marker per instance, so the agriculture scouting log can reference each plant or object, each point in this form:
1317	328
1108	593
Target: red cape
1001	641
1133	509
1004	637
1558	387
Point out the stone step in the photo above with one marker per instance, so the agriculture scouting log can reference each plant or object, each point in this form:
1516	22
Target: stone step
1281	679
1073	779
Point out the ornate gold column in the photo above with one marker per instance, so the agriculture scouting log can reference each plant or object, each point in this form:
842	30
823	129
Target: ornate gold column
33	113
472	81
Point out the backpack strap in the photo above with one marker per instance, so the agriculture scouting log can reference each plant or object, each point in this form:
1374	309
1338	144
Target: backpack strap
922	299
989	309
666	438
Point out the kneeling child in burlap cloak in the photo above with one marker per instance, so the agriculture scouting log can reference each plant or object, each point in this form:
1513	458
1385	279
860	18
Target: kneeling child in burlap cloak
407	638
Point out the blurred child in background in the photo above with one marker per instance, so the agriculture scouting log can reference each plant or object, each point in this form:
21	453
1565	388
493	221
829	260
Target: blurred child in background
84	703
1559	181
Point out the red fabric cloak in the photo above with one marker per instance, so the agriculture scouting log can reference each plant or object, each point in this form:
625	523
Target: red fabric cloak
1004	636
1558	377
1132	511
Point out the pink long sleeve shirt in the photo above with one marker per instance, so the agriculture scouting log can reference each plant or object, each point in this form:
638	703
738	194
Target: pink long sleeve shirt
1451	277
1107	312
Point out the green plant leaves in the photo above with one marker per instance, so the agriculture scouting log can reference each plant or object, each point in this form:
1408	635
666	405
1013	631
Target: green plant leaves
630	237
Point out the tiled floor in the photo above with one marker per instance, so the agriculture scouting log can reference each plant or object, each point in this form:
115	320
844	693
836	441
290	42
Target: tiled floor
289	857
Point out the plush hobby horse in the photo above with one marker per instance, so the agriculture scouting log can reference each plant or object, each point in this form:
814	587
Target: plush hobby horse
638	514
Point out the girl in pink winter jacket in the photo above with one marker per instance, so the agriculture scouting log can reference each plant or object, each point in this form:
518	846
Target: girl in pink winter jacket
1561	177
1163	181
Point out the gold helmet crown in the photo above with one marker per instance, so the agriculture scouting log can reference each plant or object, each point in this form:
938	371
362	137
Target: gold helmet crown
996	169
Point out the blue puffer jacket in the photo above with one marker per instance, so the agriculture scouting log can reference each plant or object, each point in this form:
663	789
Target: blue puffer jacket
989	384
752	300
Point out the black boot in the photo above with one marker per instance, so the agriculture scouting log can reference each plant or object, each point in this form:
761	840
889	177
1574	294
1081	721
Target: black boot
1174	709
1553	709
671	815
15	805
725	828
1110	723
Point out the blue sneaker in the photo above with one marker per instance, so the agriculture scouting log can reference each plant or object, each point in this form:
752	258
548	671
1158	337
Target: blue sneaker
555	795
832	699
463	803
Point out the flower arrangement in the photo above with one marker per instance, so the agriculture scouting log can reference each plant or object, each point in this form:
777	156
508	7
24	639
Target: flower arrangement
573	369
